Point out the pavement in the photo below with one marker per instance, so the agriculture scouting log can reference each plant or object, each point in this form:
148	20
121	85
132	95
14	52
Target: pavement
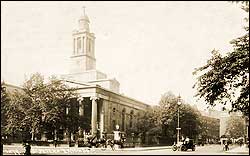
146	148
239	150
38	150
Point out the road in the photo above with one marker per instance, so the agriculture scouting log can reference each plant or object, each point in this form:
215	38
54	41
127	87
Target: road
35	150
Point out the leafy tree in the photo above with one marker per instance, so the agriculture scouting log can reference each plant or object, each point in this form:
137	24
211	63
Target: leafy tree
188	117
5	99
235	127
40	106
56	98
15	114
148	123
209	128
225	79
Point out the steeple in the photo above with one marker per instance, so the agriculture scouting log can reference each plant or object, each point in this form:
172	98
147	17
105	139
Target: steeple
84	21
83	58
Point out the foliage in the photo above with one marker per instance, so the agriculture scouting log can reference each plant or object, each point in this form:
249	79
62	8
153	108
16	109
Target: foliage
4	101
147	122
188	118
210	128
225	79
235	127
39	106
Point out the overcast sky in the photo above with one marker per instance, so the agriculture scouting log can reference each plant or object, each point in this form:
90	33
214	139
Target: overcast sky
149	47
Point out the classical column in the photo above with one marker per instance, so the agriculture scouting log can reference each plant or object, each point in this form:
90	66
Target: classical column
81	107
81	113
94	115
101	120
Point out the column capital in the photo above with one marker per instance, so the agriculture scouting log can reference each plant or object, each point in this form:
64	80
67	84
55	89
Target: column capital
94	98
80	98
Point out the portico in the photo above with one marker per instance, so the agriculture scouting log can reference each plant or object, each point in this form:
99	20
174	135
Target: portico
100	104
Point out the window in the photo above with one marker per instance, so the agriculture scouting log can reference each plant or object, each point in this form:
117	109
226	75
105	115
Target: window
113	125
123	119
79	47
131	119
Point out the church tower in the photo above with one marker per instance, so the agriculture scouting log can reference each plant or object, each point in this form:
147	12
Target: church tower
83	62
83	56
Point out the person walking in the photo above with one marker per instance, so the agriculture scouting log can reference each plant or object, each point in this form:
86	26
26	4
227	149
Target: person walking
27	149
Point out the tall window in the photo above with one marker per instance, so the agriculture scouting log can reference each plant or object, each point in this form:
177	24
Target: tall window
138	117
123	119
131	119
113	117
79	45
113	125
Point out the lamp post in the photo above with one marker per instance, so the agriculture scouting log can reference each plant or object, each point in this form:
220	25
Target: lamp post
178	128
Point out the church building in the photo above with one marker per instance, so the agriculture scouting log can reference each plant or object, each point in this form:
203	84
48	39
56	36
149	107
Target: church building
99	95
99	104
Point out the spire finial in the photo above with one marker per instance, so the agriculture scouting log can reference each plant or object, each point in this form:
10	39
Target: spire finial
84	10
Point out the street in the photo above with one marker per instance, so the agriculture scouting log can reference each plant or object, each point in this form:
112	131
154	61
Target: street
166	150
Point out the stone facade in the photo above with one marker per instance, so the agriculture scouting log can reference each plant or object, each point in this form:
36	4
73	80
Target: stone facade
108	106
100	100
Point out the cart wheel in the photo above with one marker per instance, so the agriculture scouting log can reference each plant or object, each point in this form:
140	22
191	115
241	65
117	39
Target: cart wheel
174	148
183	148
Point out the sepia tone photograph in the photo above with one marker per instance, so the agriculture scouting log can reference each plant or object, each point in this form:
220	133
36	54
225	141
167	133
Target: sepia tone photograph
124	78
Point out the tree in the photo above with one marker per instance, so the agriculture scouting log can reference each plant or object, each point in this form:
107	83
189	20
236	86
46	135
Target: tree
235	127
225	79
39	106
5	99
189	117
209	128
148	123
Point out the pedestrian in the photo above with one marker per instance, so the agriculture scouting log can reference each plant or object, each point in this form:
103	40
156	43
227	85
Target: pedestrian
226	148
55	142
27	149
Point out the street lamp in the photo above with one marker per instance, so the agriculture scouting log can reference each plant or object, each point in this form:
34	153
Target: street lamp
178	128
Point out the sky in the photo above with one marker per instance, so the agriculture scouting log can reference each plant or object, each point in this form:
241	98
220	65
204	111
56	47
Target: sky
149	47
